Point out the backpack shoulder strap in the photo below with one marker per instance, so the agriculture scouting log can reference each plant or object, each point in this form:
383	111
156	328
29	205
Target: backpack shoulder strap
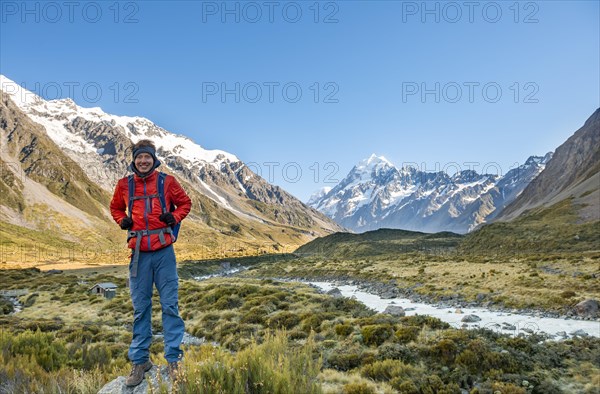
131	190
160	188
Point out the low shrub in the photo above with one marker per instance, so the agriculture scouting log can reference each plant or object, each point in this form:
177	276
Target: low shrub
375	335
343	330
358	388
284	319
423	320
406	334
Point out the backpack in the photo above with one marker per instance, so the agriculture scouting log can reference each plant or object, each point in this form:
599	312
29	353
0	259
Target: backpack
160	187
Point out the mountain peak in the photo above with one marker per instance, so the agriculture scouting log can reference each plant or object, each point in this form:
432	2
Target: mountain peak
538	160
373	161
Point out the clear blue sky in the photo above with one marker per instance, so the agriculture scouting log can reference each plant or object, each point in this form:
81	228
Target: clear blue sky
373	57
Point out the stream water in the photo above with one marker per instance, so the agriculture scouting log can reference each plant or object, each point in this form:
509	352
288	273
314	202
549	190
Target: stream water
509	323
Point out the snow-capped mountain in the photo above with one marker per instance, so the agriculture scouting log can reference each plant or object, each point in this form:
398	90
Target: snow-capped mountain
92	144
376	194
89	134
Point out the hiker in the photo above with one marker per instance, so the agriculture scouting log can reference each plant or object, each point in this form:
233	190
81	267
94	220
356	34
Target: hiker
151	205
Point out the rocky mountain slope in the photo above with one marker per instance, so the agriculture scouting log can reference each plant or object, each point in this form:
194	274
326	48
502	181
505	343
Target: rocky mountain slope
559	211
574	171
60	163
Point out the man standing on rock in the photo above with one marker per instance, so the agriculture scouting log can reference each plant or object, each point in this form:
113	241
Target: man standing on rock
150	205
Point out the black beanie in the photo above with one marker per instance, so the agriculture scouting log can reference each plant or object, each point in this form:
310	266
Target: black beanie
145	149
151	152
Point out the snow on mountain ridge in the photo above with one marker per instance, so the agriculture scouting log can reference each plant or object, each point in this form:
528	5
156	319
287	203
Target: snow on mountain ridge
65	110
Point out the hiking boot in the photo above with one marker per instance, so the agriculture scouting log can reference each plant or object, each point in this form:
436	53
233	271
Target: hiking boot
174	371
137	374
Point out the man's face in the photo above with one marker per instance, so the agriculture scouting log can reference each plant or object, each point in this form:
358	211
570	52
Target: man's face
143	162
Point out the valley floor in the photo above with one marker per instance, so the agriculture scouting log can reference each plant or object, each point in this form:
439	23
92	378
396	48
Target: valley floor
66	340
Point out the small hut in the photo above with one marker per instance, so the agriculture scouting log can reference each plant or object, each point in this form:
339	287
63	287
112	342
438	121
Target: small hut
107	289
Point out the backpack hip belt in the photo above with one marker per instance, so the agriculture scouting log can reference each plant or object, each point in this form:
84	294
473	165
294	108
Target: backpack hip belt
138	241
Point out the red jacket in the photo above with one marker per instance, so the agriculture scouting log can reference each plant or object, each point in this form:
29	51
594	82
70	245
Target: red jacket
143	220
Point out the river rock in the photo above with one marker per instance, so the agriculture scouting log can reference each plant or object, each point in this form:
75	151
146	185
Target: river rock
387	294
579	333
117	386
470	319
335	292
394	310
588	307
189	339
561	334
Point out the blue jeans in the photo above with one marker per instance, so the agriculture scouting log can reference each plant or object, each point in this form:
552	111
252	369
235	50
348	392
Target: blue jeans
158	268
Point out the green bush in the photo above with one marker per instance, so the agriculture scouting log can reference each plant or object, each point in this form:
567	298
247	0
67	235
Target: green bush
346	306
312	321
228	302
386	370
423	320
376	334
348	356
500	361
404	386
43	348
343	330
432	384
406	334
358	388
395	351
284	319
445	351
256	315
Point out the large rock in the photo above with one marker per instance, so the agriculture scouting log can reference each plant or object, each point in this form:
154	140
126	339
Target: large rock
394	310
335	293
470	319
579	333
588	307
151	378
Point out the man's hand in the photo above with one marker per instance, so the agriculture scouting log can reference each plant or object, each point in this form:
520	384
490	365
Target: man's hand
168	218
126	223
